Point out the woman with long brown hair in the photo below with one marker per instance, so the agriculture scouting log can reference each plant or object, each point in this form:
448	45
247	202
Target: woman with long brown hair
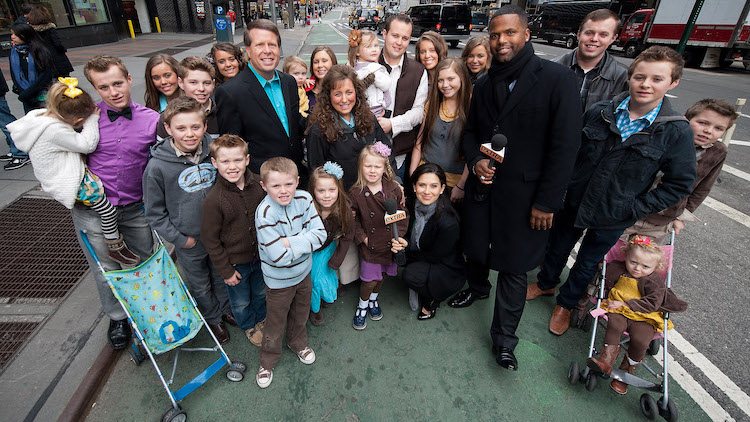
41	20
228	60
430	50
477	57
341	124
162	71
321	60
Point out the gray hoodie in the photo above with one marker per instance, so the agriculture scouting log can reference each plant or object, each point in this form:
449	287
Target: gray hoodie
174	189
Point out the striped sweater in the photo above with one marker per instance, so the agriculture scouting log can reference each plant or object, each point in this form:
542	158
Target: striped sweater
300	223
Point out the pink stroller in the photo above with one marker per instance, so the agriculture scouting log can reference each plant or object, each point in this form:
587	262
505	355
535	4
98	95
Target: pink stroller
650	408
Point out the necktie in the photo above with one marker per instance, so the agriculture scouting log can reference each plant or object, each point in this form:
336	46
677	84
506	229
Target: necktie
126	113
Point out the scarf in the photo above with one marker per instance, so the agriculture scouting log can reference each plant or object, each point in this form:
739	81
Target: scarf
422	213
23	81
503	73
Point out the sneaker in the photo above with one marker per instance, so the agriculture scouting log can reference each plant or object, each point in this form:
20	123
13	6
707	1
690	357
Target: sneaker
413	300
263	377
376	314
16	163
255	336
316	318
360	319
306	356
6	157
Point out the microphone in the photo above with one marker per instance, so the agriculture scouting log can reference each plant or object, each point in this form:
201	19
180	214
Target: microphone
495	150
393	215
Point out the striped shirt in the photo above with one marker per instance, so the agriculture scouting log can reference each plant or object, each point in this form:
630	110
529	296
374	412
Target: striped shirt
628	126
301	225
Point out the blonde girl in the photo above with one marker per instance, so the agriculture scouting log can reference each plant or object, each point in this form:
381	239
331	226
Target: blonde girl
162	71
57	151
477	56
296	67
439	139
375	185
638	295
364	52
334	209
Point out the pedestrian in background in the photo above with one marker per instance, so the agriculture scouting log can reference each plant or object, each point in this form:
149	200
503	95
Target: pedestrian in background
31	66
15	157
41	20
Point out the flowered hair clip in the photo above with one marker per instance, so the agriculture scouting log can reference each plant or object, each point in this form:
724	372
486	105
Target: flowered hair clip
333	169
381	149
355	37
72	89
643	241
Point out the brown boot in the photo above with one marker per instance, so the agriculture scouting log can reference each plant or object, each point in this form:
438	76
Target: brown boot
119	252
603	363
533	291
619	386
316	318
560	321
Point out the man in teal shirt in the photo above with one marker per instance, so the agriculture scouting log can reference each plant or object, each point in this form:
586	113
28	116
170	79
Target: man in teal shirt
261	104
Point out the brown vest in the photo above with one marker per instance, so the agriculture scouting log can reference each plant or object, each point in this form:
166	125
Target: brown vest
406	91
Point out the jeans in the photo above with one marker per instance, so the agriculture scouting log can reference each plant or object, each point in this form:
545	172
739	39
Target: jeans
206	286
137	235
248	297
563	237
6	117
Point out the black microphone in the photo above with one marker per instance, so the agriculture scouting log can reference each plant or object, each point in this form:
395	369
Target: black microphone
393	215
493	150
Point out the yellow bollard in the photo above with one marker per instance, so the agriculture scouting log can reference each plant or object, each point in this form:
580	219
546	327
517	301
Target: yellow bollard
130	26
158	26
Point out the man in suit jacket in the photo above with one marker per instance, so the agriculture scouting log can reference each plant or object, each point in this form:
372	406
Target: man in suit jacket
260	104
534	103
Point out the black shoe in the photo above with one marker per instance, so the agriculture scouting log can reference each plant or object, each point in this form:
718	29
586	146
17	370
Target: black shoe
119	334
228	317
6	157
505	358
465	298
421	316
16	163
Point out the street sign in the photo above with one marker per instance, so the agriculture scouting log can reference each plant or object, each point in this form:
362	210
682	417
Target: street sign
221	24
219	10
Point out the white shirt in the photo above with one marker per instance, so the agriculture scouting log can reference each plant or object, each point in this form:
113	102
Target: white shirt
413	117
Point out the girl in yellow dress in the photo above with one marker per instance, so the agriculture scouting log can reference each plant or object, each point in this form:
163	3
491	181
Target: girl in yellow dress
637	297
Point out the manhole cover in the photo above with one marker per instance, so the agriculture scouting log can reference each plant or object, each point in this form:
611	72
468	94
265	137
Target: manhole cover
39	254
12	337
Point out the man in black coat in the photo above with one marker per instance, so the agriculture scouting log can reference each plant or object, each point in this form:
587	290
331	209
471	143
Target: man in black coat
261	104
534	103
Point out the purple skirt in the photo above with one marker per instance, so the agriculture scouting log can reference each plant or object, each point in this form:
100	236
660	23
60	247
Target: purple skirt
374	272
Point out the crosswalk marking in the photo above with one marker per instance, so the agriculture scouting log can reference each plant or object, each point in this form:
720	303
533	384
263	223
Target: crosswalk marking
736	172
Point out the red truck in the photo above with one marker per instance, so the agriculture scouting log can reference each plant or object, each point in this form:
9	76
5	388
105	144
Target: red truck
721	33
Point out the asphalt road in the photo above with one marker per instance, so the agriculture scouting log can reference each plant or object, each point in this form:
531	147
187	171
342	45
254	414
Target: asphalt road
711	258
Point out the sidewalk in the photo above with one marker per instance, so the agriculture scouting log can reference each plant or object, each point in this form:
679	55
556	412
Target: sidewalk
70	332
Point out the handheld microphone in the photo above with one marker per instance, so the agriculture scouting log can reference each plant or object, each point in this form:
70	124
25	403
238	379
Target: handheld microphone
495	150
393	215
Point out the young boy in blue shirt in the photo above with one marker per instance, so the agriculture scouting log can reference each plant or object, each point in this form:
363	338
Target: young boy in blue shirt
289	230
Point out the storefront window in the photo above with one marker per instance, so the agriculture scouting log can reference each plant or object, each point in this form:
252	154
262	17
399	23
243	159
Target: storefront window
86	12
57	10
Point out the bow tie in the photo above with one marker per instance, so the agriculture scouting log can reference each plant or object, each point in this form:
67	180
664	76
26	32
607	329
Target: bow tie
126	113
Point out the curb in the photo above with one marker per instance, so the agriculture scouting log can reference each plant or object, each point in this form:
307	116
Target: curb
96	377
304	40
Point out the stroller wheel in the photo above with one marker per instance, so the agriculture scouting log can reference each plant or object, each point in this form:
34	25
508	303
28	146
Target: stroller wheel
136	354
591	381
653	347
235	375
669	415
648	406
174	415
573	373
240	366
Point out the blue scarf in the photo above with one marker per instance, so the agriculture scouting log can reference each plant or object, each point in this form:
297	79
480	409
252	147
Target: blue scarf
24	81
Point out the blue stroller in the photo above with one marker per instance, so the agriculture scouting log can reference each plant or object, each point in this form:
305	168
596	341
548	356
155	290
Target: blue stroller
164	316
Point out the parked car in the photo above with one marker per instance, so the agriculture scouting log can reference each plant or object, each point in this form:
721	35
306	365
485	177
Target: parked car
368	18
452	21
479	21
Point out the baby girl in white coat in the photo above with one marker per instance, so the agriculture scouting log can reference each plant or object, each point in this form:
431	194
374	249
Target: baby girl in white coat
364	51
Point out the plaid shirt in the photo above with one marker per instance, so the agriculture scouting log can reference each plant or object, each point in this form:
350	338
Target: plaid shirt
627	126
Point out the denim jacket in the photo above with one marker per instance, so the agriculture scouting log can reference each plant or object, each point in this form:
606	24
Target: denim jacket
611	180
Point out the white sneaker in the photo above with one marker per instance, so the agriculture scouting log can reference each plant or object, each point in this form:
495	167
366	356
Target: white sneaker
306	356
264	377
413	300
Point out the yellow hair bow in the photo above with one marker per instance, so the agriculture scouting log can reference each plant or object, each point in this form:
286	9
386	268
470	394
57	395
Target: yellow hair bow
72	89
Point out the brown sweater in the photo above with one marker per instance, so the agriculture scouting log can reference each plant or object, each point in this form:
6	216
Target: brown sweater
228	223
707	171
655	296
333	232
369	222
